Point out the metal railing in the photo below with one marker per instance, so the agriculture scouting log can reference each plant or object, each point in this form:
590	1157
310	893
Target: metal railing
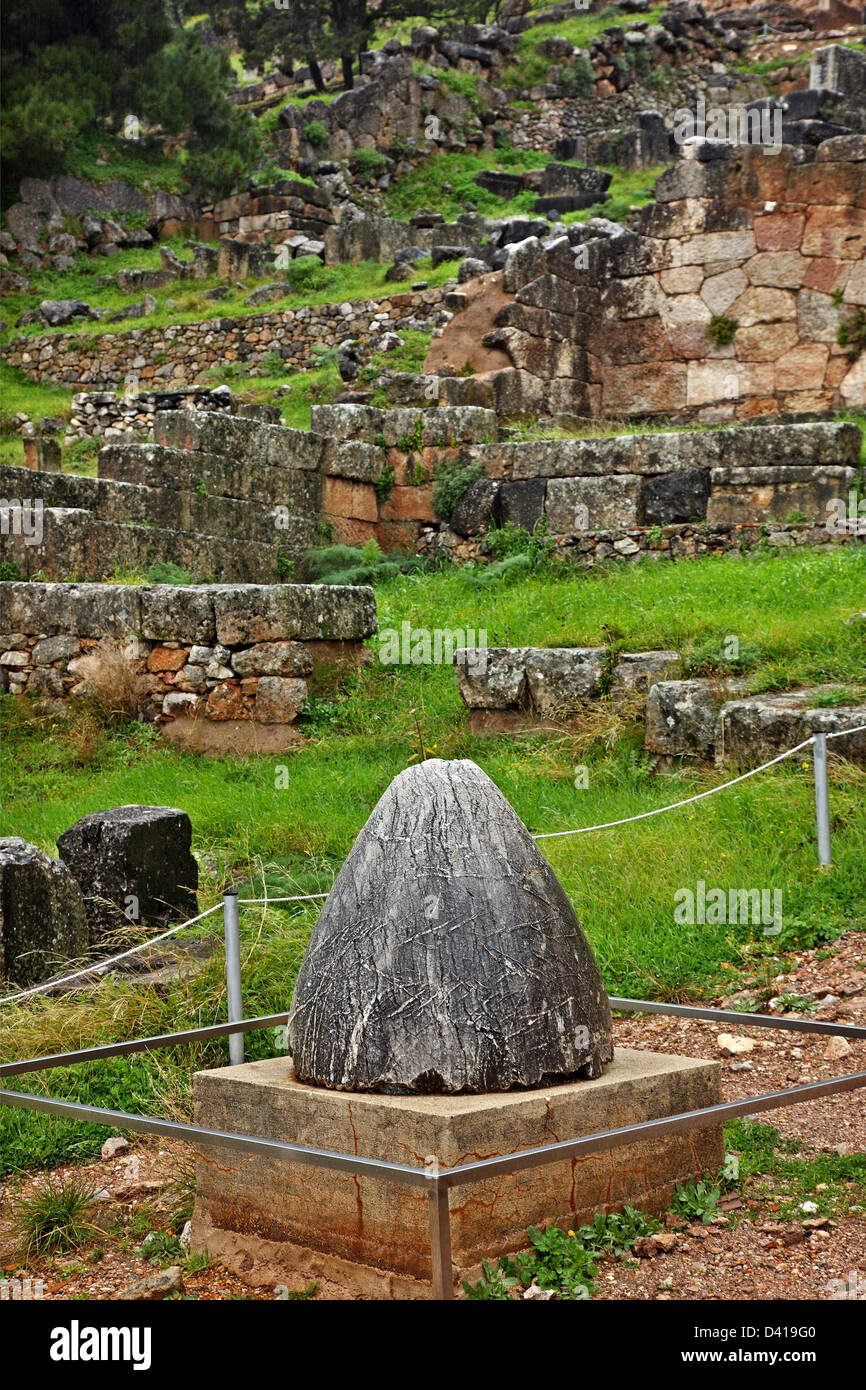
437	1182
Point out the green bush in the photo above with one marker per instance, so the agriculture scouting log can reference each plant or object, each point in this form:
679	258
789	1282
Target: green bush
578	80
369	163
452	480
315	133
346	564
505	542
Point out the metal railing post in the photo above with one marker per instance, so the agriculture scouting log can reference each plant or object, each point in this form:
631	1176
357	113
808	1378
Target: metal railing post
822	802
440	1239
233	974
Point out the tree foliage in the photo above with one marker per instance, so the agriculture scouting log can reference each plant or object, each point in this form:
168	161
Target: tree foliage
71	65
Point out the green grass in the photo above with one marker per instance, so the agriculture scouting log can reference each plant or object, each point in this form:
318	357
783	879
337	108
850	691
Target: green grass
315	285
530	67
425	187
778	1171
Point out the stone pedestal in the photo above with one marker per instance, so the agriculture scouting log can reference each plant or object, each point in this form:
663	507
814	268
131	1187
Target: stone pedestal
275	1221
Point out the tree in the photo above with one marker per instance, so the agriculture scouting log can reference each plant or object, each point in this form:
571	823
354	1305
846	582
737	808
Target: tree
69	66
313	31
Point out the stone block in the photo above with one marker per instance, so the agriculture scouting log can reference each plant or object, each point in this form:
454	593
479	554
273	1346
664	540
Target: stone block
560	679
672	497
681	716
273	659
739	495
576	505
267	1219
42	918
280	699
752	731
133	864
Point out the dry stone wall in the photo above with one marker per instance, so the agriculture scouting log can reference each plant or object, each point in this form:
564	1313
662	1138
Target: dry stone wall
180	354
217	652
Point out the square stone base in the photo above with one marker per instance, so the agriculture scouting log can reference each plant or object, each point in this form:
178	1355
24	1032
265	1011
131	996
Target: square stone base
271	1220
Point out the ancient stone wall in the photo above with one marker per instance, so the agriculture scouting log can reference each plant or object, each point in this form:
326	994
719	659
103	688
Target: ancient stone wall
217	652
180	354
725	303
228	498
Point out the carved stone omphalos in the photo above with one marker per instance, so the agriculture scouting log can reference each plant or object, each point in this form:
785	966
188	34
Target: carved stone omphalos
447	957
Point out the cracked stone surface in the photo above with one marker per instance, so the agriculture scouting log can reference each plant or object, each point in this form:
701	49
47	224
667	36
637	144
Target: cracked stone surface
447	957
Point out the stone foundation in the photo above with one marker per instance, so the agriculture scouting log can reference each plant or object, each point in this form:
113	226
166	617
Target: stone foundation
271	1219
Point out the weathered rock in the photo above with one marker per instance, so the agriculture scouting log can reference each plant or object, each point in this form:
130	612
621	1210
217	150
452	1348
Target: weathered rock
562	678
273	659
133	864
59	311
672	497
447	957
42	918
497	682
681	716
280	699
154	1287
476	508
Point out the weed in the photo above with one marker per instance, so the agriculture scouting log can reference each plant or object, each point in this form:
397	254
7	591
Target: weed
57	1216
721	329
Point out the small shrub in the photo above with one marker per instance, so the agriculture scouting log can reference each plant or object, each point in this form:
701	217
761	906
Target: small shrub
721	329
453	479
559	1260
315	133
285	566
509	540
507	571
496	1281
57	1216
384	484
852	334
578	80
160	1247
166	571
697	1200
113	682
9	571
370	164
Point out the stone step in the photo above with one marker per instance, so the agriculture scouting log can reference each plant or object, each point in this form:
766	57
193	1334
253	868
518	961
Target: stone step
229	614
240	476
212	433
438	426
75	544
172	509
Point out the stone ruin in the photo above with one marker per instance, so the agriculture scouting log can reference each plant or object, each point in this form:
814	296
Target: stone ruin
131	865
447	958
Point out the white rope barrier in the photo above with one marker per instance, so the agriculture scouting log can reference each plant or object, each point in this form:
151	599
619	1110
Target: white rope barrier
142	945
723	786
310	897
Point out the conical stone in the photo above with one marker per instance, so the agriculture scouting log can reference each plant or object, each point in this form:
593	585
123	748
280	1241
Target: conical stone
447	957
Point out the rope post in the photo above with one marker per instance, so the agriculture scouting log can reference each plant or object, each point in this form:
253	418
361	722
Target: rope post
822	802
440	1238
231	926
